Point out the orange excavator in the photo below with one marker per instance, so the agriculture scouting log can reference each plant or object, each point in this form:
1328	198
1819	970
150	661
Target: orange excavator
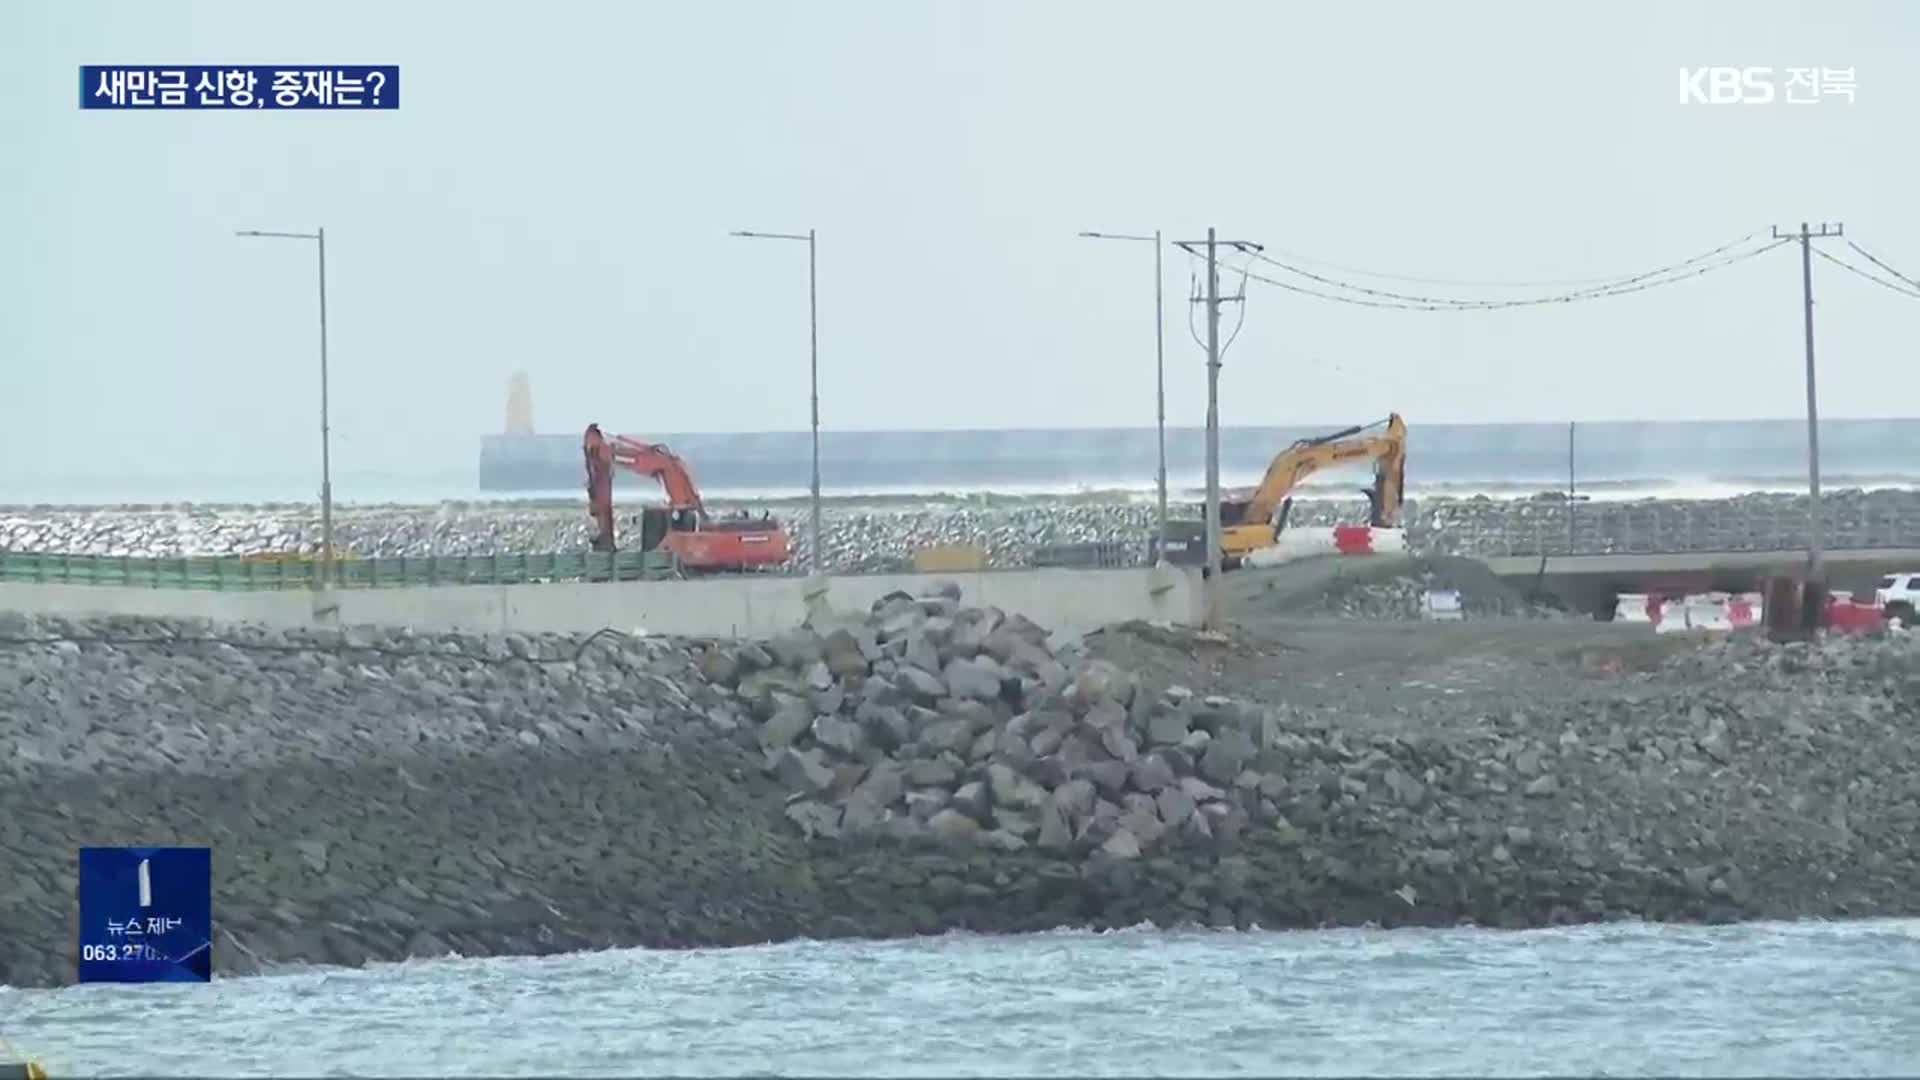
701	542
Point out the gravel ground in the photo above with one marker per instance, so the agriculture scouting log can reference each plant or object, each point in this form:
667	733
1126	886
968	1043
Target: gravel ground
860	538
380	794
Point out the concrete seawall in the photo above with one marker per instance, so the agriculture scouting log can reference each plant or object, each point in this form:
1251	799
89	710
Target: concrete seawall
735	607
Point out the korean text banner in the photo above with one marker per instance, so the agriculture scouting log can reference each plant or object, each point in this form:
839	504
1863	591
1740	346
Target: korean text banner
146	914
240	86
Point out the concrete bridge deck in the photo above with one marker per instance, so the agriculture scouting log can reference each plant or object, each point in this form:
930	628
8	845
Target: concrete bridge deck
1592	582
1638	564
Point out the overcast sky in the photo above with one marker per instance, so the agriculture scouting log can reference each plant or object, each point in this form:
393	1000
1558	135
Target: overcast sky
555	192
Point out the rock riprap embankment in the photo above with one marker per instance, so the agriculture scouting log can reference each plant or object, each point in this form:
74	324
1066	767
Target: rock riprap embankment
936	722
379	794
867	539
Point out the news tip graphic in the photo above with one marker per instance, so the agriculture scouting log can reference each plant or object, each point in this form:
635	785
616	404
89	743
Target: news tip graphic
240	86
146	914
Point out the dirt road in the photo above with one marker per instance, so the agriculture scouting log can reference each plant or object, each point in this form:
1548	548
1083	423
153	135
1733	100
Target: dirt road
1384	672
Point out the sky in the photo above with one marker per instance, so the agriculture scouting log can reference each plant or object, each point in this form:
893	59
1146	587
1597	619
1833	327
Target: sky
556	190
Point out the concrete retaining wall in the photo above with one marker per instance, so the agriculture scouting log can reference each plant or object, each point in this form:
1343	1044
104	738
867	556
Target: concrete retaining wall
743	607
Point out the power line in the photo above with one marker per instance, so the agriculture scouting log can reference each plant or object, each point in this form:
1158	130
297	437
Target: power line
1670	272
1876	279
1868	255
1473	284
1622	288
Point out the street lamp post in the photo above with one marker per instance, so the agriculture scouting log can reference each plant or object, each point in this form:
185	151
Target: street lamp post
1159	370
319	237
813	363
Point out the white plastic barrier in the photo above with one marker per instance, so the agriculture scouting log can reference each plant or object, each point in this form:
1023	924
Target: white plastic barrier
1695	611
1308	541
1670	615
1632	608
1443	605
1708	611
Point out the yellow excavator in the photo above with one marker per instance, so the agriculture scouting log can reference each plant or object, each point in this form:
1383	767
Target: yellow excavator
1256	521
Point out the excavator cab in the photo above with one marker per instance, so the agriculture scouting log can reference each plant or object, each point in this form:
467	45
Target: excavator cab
654	526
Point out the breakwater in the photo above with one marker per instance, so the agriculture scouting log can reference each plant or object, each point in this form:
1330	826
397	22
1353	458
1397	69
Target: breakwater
880	539
377	794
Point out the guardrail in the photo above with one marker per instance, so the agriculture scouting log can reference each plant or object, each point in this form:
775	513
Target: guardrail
235	573
1648	529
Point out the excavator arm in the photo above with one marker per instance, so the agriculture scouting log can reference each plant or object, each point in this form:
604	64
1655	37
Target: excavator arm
599	456
603	452
1254	522
655	460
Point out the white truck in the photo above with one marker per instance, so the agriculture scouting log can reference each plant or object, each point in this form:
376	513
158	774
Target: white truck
1898	596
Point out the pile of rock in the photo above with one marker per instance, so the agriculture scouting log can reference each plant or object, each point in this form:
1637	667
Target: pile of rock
1405	597
935	721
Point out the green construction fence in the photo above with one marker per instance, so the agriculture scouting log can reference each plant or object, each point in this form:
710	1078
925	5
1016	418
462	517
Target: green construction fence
235	574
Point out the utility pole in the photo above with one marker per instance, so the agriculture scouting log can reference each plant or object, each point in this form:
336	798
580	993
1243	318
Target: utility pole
1159	373
1814	516
327	574
1213	429
813	385
1212	245
1160	389
813	376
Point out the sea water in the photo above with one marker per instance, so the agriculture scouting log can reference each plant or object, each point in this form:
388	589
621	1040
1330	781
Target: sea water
1809	999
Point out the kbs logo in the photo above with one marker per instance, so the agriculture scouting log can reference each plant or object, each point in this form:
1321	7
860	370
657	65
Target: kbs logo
1758	85
1726	86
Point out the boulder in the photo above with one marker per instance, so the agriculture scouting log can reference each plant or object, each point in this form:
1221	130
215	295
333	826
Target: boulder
795	649
1167	727
1000	840
862	812
885	725
1077	798
973	799
920	685
791	718
1110	777
843	737
976	678
804	770
814	819
952	825
1121	844
1097	682
1175	806
1153	774
931	773
885	783
1056	827
950	733
1226	755
923	803
1010	789
844	657
720	666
